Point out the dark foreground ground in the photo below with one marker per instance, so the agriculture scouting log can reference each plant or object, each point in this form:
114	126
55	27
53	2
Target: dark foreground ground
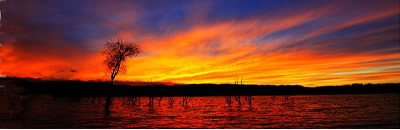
79	88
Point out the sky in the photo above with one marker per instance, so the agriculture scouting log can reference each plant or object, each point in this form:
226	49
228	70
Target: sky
305	42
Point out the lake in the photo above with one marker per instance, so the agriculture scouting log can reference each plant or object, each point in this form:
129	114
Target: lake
300	111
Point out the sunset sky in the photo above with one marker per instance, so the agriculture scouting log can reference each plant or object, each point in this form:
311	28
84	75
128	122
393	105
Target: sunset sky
305	42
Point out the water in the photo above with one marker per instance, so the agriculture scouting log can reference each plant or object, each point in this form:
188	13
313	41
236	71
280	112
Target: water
301	111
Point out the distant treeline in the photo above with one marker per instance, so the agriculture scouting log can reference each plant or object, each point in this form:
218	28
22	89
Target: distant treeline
80	88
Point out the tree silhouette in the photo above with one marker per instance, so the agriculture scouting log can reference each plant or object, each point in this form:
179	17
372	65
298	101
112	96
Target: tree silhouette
116	53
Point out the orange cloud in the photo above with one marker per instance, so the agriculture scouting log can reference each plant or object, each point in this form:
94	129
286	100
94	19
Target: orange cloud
220	52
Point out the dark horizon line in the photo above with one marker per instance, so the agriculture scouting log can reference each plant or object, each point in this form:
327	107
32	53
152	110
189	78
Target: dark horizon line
126	83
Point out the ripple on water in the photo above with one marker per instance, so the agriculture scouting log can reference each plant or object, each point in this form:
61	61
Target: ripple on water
302	111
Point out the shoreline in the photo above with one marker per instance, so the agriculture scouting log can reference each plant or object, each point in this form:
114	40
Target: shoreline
101	89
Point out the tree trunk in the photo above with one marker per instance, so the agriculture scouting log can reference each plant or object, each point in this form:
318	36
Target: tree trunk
112	81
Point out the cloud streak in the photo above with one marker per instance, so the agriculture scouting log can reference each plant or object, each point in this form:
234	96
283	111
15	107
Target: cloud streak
318	43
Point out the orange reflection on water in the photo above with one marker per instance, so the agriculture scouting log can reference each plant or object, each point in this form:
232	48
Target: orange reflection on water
301	111
261	112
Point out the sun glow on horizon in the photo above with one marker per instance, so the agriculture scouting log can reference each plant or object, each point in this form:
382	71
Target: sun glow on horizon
334	43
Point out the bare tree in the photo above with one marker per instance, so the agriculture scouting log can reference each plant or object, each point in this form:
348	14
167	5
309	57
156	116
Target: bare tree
116	53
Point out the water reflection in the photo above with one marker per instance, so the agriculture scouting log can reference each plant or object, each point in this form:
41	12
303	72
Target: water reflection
151	99
170	101
107	102
323	111
186	100
131	100
107	107
239	100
